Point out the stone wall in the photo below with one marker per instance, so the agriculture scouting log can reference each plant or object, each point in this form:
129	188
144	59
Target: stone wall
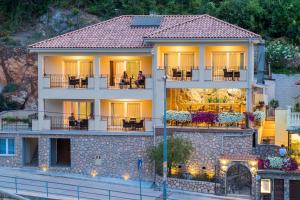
189	185
210	144
264	150
108	155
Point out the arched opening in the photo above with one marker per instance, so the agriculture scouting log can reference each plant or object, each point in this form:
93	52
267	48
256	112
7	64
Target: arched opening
238	180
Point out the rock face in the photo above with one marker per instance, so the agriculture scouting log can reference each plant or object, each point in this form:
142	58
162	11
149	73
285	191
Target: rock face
19	66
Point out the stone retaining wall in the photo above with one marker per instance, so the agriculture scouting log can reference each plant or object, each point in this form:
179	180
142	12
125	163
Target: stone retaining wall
210	144
189	185
108	155
264	150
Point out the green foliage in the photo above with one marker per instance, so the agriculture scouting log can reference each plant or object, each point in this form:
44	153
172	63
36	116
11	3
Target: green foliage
179	151
11	87
15	119
6	104
278	53
270	18
274	103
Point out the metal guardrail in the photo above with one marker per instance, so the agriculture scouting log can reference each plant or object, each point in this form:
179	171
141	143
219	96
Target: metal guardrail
55	190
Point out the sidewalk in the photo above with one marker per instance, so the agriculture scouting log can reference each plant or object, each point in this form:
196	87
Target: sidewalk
120	189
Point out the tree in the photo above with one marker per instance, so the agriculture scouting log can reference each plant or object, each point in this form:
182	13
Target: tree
178	152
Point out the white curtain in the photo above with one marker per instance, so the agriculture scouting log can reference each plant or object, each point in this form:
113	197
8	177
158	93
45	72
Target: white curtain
70	68
133	110
186	61
85	68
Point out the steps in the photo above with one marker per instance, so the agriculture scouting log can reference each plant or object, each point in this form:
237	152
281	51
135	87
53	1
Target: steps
268	132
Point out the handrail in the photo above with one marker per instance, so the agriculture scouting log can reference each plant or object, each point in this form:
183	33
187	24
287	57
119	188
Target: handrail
76	193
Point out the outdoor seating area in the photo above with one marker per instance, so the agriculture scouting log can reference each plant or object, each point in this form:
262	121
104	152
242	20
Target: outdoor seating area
125	124
60	122
179	73
67	81
224	74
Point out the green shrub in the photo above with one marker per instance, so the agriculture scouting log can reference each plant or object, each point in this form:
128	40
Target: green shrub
179	151
11	87
278	53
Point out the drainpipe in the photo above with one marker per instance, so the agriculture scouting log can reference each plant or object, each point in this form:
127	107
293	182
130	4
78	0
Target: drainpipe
261	63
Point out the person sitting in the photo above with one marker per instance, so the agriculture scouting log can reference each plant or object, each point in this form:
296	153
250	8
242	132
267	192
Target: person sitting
282	151
140	80
124	79
72	121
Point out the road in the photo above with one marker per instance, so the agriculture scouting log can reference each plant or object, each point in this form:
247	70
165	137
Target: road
33	182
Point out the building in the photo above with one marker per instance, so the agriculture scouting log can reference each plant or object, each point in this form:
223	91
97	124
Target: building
95	115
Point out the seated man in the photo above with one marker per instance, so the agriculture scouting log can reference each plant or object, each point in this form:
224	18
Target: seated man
140	80
72	121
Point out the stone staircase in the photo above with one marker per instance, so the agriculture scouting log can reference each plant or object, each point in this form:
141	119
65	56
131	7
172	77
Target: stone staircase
268	132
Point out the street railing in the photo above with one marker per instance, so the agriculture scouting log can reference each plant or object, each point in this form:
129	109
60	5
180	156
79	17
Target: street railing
54	190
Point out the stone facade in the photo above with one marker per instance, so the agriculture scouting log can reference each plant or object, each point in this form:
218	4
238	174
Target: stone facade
108	155
210	144
189	185
265	150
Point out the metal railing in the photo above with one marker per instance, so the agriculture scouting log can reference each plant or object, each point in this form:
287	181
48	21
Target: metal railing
61	122
124	123
67	81
114	82
225	74
57	190
180	73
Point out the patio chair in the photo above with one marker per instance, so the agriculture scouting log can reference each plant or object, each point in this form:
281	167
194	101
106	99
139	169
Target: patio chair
174	73
126	124
84	123
84	82
72	124
139	125
237	75
188	74
227	74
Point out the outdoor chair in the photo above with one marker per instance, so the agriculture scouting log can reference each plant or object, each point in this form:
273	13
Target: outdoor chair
139	125
84	123
188	74
84	82
126	124
73	81
227	74
236	75
72	124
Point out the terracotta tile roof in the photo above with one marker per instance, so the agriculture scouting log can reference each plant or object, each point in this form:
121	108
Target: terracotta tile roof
204	26
240	157
118	32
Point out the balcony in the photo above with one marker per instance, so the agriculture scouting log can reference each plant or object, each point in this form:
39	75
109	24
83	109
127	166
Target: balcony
116	82
116	124
213	73
66	123
67	81
181	73
293	119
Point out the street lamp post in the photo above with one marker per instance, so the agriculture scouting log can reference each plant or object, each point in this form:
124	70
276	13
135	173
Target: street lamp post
165	141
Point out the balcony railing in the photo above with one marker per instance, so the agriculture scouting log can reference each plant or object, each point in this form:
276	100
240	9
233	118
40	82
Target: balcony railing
293	119
225	74
60	122
180	73
124	123
67	81
113	82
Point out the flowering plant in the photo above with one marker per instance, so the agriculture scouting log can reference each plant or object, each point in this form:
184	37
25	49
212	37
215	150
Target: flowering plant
230	117
179	116
207	117
281	163
249	116
259	116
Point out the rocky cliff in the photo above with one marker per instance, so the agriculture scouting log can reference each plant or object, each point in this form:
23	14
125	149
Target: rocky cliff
18	66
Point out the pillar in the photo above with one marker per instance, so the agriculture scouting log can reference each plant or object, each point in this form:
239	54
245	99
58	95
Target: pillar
201	62
96	71
41	102
250	74
286	189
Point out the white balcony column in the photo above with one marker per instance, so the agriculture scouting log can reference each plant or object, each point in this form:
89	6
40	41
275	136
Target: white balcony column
96	71
201	62
41	103
250	74
97	114
157	107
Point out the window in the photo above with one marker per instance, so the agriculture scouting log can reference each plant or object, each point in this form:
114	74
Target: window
7	146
